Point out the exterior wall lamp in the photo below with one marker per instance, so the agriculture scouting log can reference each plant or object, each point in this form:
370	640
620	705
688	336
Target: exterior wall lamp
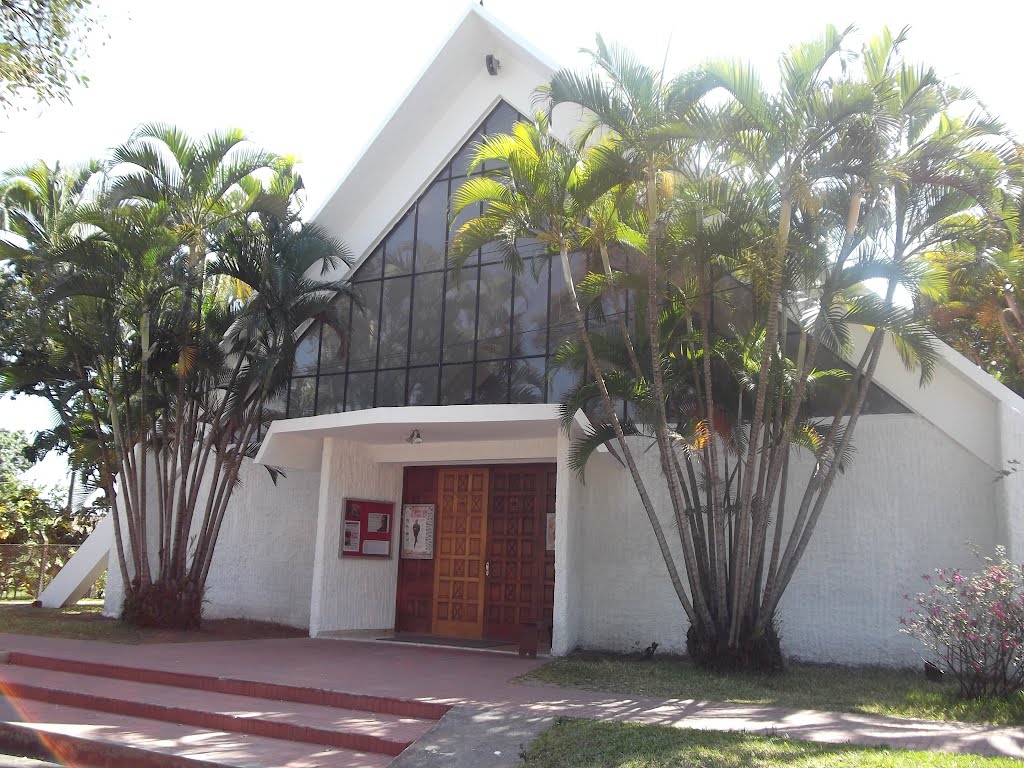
415	438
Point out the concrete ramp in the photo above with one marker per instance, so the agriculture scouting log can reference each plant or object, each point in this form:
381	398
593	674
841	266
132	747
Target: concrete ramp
80	572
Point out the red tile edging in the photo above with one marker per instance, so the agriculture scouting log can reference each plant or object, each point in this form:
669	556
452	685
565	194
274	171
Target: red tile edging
216	721
423	710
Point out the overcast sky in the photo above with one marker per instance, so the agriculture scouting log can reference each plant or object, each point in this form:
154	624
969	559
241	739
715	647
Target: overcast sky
316	78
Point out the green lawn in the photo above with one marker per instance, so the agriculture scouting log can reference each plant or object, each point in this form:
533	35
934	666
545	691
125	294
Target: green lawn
808	686
85	621
596	744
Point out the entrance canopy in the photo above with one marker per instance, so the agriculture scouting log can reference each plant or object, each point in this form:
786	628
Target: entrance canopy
449	433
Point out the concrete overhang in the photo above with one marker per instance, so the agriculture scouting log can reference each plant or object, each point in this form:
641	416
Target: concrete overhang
452	434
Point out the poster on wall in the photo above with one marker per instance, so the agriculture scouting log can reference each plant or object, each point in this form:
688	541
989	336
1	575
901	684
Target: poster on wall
350	542
418	532
366	528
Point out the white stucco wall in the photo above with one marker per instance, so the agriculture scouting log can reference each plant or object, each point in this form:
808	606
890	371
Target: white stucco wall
263	563
911	500
352	592
1010	488
627	597
113	594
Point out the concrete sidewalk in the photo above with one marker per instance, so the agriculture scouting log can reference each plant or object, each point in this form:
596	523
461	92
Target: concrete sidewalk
482	682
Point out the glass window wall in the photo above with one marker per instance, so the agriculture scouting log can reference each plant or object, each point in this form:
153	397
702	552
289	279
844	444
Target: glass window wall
418	333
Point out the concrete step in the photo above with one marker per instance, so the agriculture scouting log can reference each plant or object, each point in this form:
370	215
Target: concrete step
89	739
381	704
257	716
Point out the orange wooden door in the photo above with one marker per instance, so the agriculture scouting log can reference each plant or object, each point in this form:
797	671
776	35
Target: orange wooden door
459	552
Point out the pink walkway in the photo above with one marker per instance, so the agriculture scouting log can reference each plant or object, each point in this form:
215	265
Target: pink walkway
469	678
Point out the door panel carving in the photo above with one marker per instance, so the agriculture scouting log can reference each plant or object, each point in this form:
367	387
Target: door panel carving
459	552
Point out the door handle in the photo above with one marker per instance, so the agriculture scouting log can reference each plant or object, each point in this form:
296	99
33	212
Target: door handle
487	568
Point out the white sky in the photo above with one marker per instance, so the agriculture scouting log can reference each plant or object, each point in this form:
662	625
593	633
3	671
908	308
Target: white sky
316	78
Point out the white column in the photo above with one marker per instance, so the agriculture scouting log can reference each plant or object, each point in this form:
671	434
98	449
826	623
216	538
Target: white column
563	629
320	553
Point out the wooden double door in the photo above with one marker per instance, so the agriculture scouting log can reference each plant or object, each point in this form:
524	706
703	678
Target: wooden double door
491	570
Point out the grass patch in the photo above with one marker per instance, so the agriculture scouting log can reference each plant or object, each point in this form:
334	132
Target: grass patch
875	691
85	621
595	744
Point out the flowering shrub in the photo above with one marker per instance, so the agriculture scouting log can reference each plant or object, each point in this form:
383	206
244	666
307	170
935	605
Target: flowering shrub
974	625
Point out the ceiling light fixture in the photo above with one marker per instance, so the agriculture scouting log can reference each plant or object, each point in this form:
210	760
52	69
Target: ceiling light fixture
414	437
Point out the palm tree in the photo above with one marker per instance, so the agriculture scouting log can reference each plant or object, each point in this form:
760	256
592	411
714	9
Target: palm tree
272	258
541	190
201	186
174	369
42	210
979	315
930	170
787	200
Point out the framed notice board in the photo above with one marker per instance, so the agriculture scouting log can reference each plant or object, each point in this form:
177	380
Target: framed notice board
366	528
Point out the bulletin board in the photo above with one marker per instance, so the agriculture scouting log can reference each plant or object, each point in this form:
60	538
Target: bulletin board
366	528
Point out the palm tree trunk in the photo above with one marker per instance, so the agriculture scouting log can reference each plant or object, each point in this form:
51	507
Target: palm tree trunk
668	457
1011	340
771	327
627	454
1011	303
627	339
804	364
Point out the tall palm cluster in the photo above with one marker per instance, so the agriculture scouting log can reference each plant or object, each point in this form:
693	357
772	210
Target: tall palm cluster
161	294
979	315
722	241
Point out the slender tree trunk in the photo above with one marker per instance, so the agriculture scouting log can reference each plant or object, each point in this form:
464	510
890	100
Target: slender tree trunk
623	326
627	453
771	327
661	431
1011	303
804	364
1011	341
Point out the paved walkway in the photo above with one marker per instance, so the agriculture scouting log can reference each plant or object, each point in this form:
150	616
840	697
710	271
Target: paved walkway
483	682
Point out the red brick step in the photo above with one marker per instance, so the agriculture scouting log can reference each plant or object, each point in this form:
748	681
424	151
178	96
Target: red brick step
84	738
291	721
321	697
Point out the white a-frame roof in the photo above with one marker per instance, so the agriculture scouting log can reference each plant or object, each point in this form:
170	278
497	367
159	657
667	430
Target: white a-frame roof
432	120
455	92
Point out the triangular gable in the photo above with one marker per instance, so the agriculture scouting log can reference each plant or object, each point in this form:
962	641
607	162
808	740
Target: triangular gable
452	96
